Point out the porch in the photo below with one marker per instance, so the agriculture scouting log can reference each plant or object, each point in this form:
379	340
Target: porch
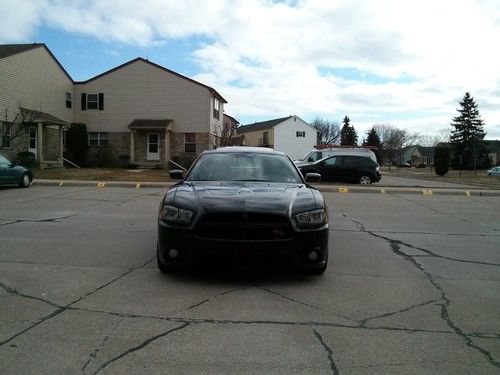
150	142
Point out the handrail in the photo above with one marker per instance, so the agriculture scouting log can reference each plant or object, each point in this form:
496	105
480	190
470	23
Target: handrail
70	162
177	165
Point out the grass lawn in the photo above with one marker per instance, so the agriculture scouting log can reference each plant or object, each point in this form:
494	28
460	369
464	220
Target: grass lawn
104	174
161	175
468	177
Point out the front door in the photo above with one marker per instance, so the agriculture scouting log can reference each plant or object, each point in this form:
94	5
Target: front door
153	152
33	140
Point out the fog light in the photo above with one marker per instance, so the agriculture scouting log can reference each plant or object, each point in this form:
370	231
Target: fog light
173	253
313	255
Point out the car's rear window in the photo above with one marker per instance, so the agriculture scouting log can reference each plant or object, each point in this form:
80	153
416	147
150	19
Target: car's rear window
244	167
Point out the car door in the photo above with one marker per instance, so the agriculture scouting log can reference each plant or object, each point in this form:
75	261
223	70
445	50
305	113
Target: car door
349	168
329	168
8	175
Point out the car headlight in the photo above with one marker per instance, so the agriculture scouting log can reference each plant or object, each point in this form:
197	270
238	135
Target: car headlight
310	219
176	215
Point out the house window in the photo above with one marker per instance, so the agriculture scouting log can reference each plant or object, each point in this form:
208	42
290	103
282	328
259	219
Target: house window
98	139
189	142
216	108
92	101
68	100
300	134
6	134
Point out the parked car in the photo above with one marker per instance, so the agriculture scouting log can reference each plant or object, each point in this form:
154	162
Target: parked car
243	206
11	174
351	168
315	155
495	171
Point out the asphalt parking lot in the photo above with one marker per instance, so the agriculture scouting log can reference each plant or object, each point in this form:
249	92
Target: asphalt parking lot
412	287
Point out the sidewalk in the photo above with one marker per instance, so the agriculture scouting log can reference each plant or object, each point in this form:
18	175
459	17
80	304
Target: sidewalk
323	187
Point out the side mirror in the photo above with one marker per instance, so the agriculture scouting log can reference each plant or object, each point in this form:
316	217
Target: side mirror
176	174
313	177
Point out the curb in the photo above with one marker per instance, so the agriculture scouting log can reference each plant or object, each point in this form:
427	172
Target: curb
327	189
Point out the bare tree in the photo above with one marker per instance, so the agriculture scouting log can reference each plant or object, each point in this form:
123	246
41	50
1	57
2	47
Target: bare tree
428	140
10	130
328	131
394	140
228	133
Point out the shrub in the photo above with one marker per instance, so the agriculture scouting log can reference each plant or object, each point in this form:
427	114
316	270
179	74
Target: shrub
441	160
26	159
104	157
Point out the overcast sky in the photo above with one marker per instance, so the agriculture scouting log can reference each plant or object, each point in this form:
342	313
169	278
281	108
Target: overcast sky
405	63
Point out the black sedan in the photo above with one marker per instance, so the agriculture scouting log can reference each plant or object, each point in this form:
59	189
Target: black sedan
243	206
11	174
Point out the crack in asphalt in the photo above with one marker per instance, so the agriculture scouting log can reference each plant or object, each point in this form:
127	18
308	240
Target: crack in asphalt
333	366
210	299
14	292
68	306
49	220
303	303
426	233
385	315
429	253
139	347
395	246
106	338
258	322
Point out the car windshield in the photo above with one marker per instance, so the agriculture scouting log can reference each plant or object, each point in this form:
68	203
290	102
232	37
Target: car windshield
312	156
244	166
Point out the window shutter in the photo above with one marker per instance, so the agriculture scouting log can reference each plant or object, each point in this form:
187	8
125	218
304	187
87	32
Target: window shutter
84	101
101	101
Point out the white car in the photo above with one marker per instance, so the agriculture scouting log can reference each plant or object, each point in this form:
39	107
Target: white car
495	171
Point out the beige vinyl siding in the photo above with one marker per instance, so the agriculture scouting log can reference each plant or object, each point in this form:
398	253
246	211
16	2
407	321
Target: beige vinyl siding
142	91
32	79
255	138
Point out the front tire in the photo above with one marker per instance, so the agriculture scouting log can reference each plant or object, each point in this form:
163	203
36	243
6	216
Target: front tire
365	179
25	180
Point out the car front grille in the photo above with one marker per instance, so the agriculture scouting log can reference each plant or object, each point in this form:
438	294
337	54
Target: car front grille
244	227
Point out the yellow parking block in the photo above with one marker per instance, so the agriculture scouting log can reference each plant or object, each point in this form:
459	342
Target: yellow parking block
343	190
427	192
101	184
138	186
382	191
62	183
467	193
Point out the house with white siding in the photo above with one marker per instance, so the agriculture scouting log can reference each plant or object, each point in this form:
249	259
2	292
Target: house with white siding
291	135
140	112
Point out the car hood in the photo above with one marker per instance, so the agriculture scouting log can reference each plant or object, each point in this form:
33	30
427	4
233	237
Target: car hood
276	198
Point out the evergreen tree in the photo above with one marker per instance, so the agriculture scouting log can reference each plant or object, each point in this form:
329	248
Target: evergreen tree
373	139
467	135
348	135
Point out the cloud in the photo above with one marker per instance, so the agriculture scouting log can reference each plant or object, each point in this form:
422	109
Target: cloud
276	58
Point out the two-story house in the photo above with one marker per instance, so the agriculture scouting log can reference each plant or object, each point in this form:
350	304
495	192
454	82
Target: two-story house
141	112
291	135
36	102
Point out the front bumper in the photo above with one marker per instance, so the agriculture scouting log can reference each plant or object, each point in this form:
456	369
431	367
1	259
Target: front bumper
197	251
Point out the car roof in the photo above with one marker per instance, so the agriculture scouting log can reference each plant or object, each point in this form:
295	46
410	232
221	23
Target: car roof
244	149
